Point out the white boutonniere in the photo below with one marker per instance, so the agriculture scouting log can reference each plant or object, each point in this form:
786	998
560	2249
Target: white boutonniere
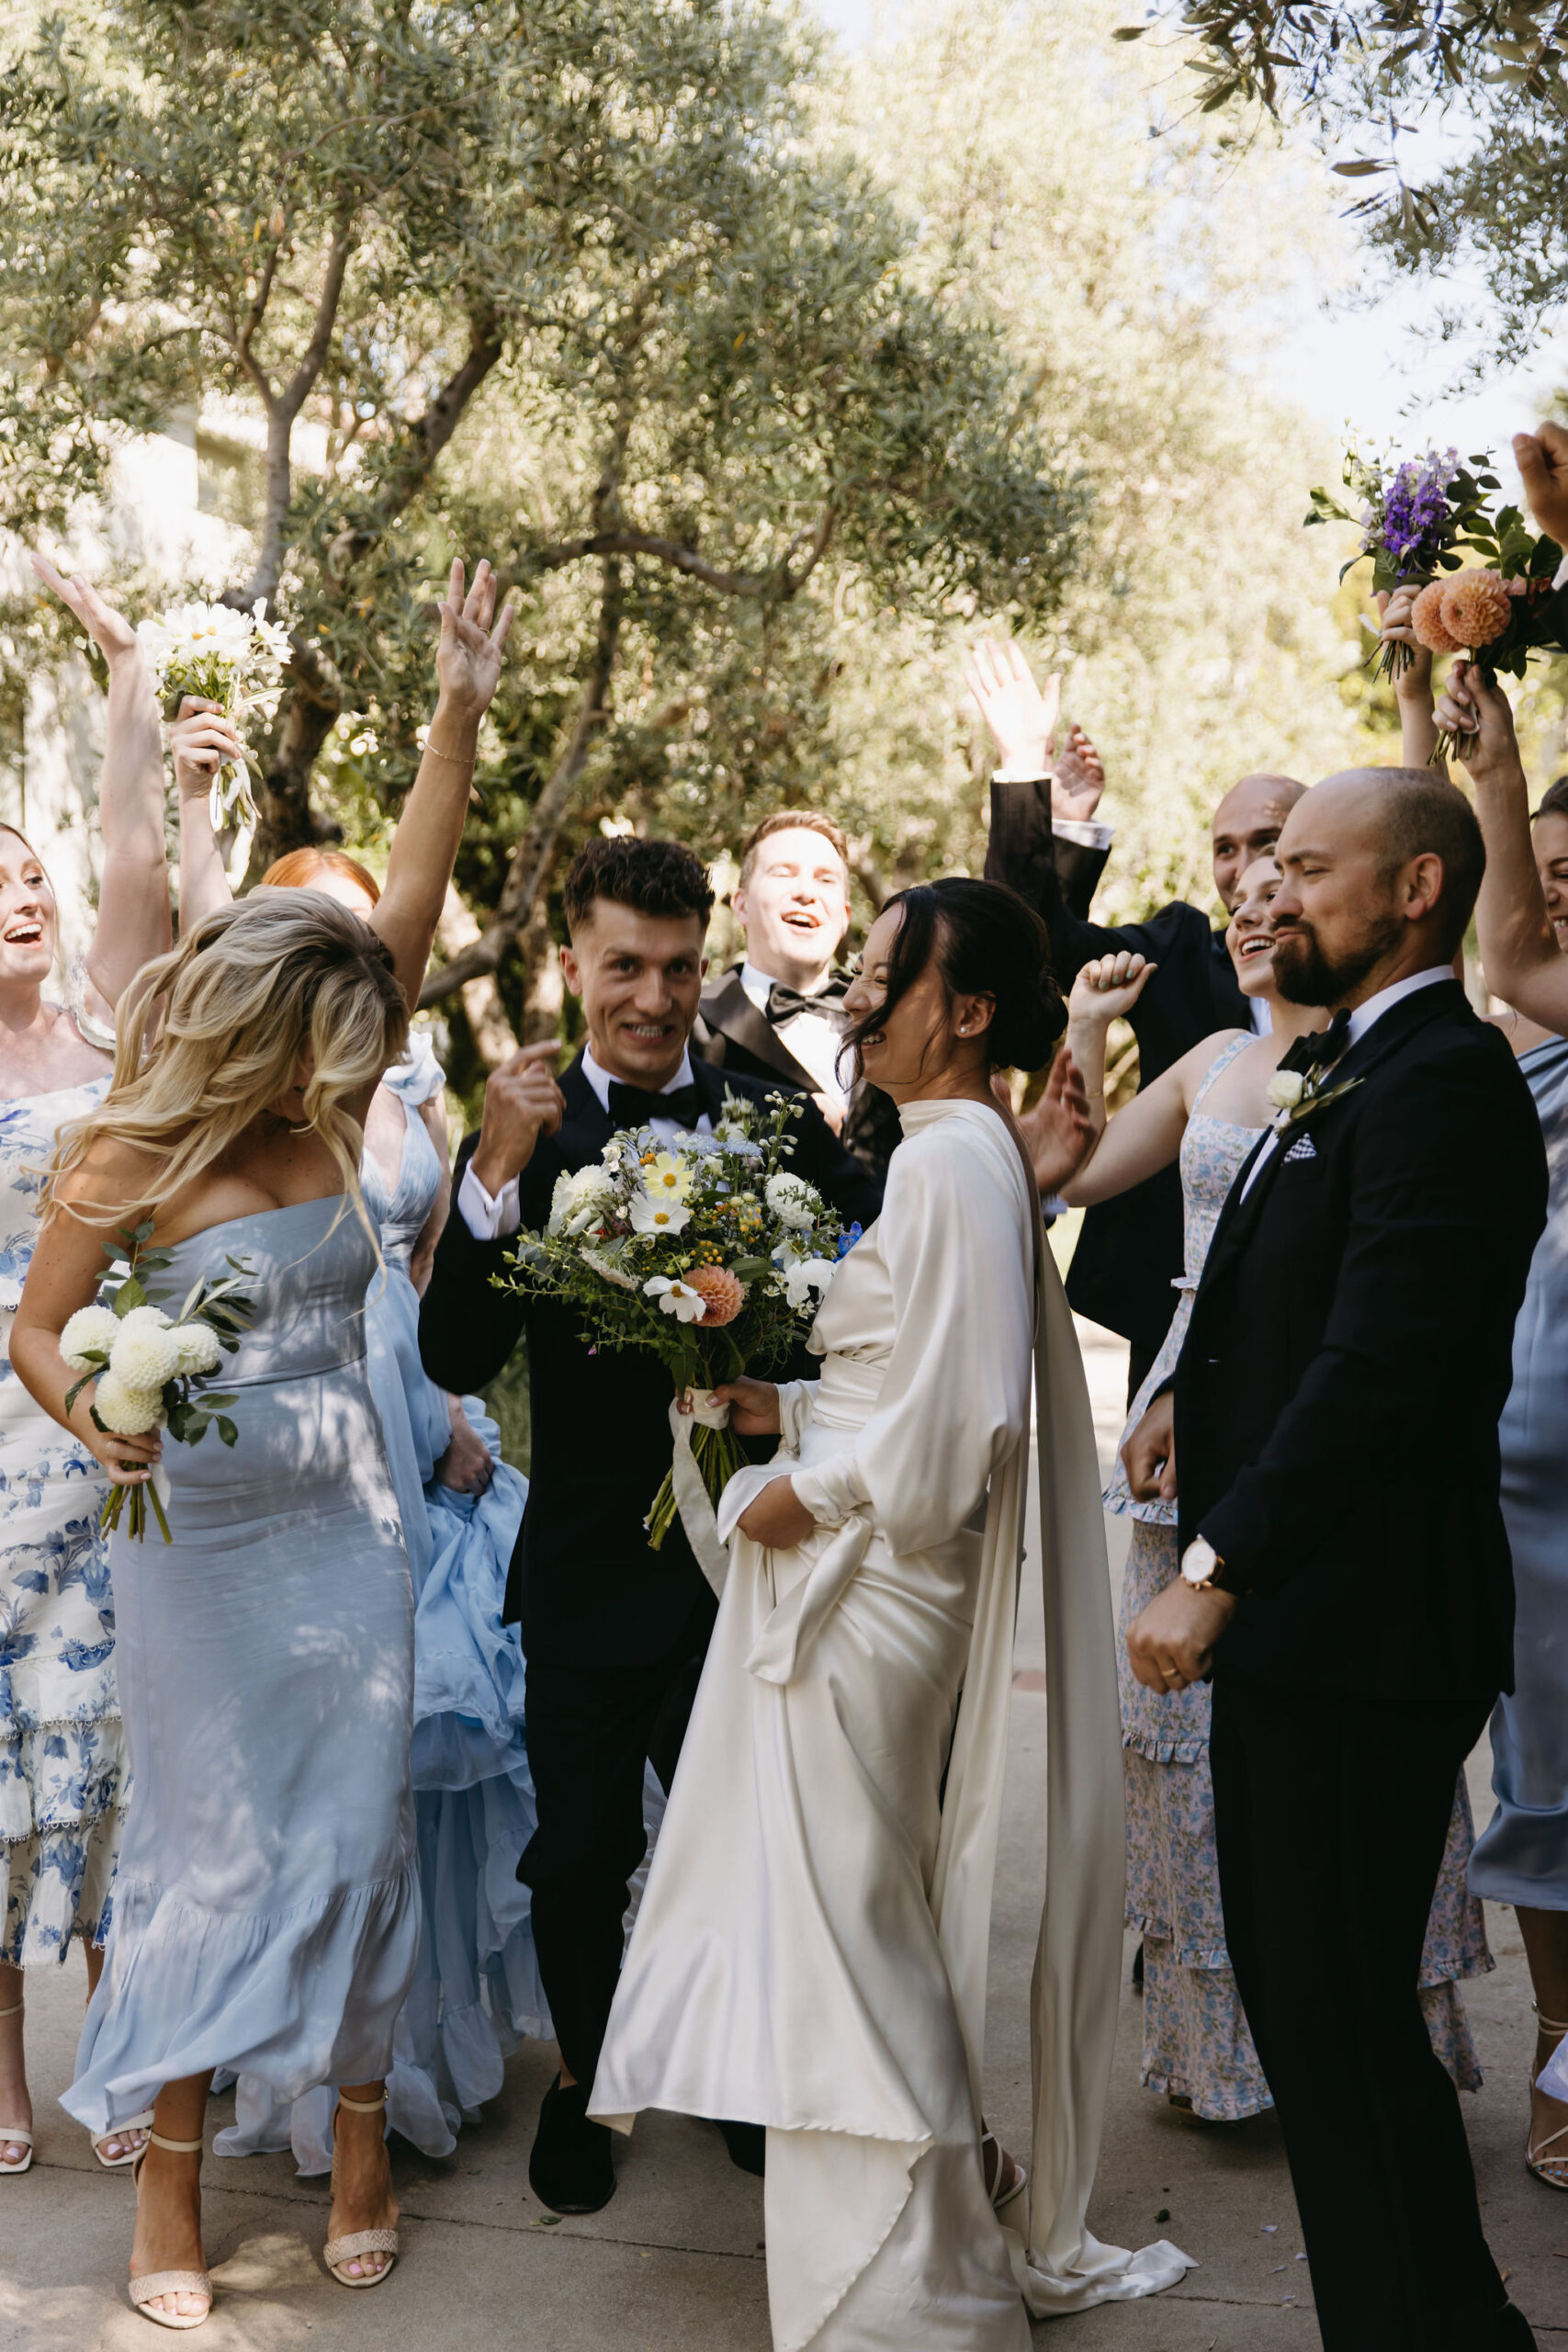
1295	1096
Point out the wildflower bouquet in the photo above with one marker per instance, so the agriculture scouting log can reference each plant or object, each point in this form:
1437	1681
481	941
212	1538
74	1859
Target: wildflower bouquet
1415	518
712	1257
223	656
149	1366
1498	617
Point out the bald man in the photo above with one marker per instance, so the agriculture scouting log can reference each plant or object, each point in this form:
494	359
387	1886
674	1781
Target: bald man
1331	1433
1129	1252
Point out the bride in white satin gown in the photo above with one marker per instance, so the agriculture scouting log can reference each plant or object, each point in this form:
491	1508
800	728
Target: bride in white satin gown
810	1953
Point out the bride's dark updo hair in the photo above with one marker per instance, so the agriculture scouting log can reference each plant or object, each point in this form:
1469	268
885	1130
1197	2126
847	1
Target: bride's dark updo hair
985	941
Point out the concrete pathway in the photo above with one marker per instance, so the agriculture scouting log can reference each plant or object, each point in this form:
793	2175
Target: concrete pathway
675	2263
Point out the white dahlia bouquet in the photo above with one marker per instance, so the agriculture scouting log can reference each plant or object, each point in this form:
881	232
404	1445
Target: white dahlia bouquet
223	655
713	1256
151	1367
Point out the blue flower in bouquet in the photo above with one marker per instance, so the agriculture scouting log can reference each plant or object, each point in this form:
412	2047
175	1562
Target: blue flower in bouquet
847	1241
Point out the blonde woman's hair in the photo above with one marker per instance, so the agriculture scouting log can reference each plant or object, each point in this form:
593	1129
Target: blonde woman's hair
243	997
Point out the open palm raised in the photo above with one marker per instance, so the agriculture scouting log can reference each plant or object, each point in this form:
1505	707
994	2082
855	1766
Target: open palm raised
468	661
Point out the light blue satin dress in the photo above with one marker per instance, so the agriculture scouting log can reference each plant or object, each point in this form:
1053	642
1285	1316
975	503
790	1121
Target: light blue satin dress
476	1990
1522	1855
266	1906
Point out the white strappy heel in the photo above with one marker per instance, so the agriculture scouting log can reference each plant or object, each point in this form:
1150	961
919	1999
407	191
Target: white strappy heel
1002	2196
142	2122
12	2135
168	2282
1553	2170
357	2241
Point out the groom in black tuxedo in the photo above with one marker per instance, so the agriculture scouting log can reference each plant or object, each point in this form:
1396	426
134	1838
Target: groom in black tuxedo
614	1633
1345	1570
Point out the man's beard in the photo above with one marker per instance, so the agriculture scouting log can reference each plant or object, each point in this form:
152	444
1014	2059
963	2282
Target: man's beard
1303	974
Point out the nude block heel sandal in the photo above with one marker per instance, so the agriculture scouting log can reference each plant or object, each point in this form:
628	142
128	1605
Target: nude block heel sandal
357	2241
1553	2170
12	2135
168	2282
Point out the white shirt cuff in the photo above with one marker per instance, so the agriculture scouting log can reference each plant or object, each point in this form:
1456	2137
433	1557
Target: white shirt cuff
486	1219
1087	831
1560	577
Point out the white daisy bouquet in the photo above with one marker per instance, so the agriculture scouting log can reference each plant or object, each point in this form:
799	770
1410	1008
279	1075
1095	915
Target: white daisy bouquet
222	655
712	1257
151	1367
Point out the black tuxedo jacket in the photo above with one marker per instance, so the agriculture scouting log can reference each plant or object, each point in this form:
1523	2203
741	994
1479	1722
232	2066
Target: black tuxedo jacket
584	1580
1349	1352
1130	1250
733	1035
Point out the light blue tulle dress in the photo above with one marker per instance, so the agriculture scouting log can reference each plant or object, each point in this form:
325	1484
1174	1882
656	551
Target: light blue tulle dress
266	1905
476	1990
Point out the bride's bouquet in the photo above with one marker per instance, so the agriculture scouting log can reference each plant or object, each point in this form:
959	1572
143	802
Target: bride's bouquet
712	1257
225	656
150	1367
1415	518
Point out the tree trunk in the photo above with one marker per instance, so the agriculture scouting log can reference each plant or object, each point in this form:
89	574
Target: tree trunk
531	859
287	820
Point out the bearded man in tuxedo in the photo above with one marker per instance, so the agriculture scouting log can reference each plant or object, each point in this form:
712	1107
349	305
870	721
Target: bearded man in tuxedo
614	1633
1331	1439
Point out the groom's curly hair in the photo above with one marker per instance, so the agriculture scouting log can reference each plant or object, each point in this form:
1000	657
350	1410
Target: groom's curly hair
655	877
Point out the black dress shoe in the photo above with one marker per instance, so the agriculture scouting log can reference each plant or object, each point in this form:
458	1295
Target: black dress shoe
747	2145
1511	2331
569	2169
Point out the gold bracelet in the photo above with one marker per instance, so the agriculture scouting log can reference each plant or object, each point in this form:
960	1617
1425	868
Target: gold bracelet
1099	1097
455	759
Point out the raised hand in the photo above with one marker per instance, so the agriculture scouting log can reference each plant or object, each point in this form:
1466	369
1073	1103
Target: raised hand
1541	458
109	630
1078	780
1020	715
1060	1130
521	1102
1479	718
1415	681
1108	987
468	661
201	740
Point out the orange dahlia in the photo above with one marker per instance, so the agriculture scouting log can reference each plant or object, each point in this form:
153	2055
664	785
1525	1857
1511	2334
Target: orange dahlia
1426	620
1476	607
723	1294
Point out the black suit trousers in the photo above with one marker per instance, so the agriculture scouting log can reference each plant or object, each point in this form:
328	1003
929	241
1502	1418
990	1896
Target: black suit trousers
1330	1817
590	1730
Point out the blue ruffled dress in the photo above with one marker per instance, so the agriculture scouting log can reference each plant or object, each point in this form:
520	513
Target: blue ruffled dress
476	1990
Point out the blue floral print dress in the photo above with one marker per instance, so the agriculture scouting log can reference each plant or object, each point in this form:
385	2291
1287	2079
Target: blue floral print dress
61	1778
1197	2047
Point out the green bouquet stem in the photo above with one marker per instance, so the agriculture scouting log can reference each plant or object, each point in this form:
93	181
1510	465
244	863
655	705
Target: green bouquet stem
114	1507
719	1454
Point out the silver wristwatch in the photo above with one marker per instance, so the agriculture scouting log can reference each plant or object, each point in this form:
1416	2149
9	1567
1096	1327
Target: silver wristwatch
1201	1563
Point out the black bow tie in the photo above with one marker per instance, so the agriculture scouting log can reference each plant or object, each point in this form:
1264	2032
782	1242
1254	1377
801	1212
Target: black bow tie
785	1002
631	1107
1322	1049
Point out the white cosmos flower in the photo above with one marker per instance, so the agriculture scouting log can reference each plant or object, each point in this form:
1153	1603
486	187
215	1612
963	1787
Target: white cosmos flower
197	1347
656	1216
666	1177
580	1199
95	1328
676	1298
794	1201
804	1276
145	1356
124	1410
1285	1089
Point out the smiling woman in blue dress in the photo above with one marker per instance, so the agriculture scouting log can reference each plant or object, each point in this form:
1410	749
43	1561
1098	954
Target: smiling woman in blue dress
61	1768
267	1907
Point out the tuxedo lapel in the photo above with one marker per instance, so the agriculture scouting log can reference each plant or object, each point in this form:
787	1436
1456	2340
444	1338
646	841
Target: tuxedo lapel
729	1010
586	1127
1400	1023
